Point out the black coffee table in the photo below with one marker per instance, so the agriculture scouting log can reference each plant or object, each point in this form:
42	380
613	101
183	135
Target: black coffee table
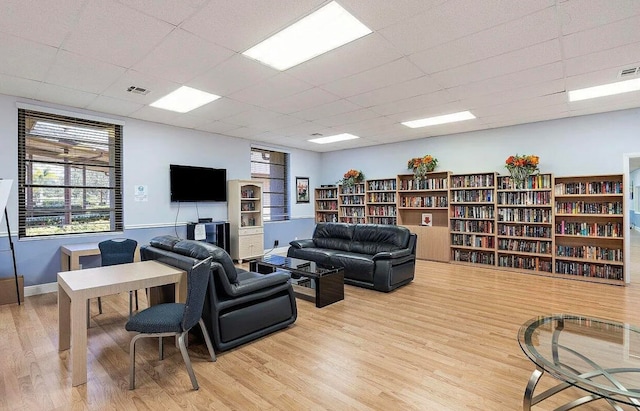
321	284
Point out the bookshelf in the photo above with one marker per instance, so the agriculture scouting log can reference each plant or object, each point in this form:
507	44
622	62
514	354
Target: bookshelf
525	224
472	216
426	198
351	203
326	204
381	201
589	231
245	219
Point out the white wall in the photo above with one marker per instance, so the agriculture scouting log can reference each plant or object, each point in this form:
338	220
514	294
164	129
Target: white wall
584	145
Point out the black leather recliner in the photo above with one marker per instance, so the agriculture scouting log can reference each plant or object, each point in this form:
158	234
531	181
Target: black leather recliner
376	256
240	305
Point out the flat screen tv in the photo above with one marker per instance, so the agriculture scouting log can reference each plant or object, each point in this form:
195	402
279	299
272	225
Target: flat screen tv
189	183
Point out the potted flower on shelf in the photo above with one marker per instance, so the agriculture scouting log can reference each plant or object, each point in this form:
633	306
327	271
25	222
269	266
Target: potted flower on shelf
521	167
351	178
422	165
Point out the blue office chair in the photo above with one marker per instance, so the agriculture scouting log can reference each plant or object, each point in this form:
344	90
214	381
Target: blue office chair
174	319
118	251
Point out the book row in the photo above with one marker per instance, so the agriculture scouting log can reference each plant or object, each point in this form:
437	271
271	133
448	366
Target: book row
472	240
487	212
382	220
589	270
525	215
581	207
425	184
352	211
525	263
382	197
477	257
423	201
326	205
473	181
352	200
472	196
524	231
381	185
354	189
590	252
472	226
525	198
525	246
589	229
387	211
593	187
533	182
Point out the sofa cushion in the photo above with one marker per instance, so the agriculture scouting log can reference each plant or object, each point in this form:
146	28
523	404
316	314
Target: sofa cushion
335	236
356	266
164	242
202	250
371	239
319	255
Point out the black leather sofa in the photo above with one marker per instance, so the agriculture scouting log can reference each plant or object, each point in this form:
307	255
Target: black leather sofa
240	305
376	256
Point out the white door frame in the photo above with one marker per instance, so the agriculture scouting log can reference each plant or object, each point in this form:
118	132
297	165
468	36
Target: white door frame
626	217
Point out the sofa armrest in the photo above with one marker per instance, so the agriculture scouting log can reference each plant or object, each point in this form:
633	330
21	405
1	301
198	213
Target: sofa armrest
259	282
390	255
302	243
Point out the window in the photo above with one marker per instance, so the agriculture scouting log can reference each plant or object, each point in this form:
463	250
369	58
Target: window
271	167
69	175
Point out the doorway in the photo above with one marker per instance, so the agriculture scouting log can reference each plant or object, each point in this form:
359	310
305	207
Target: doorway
631	164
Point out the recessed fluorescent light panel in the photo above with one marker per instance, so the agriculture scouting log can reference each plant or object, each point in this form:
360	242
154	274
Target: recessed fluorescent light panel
333	139
605	90
326	29
184	99
447	118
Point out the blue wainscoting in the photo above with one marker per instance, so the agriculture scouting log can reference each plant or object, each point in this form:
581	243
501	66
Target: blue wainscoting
286	231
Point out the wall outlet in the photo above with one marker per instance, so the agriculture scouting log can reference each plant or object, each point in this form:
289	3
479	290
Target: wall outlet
275	243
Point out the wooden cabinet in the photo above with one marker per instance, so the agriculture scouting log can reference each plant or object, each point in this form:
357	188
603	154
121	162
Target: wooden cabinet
525	224
589	232
326	204
423	208
245	219
472	216
381	201
351	203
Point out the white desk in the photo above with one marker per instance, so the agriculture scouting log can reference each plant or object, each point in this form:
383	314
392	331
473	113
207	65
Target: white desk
75	287
70	254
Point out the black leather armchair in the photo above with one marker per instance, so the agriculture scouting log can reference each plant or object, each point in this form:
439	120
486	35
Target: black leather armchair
240	305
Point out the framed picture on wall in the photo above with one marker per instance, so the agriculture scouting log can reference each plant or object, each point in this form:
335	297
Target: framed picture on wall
302	189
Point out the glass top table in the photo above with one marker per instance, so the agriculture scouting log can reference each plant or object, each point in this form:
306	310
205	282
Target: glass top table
601	357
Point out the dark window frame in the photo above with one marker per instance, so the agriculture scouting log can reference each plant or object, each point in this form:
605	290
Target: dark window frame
272	168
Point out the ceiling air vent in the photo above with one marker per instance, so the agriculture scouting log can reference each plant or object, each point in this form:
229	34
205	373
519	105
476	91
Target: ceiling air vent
629	72
138	90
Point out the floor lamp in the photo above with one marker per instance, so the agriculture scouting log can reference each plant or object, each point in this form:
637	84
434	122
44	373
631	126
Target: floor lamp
5	188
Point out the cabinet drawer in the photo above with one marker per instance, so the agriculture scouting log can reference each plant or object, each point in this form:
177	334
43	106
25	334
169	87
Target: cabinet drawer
250	245
250	231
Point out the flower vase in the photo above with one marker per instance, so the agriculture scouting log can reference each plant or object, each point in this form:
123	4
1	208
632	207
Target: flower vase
519	176
421	171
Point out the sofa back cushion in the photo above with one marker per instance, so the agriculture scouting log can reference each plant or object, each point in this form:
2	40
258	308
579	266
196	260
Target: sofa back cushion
335	236
202	250
164	242
374	238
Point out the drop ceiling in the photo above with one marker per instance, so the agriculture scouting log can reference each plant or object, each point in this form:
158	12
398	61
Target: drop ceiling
507	61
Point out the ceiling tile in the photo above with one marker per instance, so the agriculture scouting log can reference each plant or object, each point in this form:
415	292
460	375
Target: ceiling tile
44	22
542	103
106	30
433	111
326	110
82	73
511	36
522	93
104	104
179	57
273	88
236	73
360	55
414	103
306	99
240	24
395	92
347	118
526	58
391	73
254	115
156	115
623	56
580	15
593	78
217	127
157	87
63	95
24	58
455	19
377	14
602	37
221	108
20	87
171	11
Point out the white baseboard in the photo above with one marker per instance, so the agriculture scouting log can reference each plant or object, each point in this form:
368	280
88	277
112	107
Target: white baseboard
40	289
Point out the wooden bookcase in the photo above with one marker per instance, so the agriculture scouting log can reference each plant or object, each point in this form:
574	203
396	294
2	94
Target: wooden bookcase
525	224
381	201
423	209
589	231
326	204
245	219
351	203
472	216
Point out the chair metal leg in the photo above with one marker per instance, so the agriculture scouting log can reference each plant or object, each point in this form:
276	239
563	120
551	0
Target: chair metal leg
187	360
130	304
132	361
160	349
99	305
207	340
136	293
88	312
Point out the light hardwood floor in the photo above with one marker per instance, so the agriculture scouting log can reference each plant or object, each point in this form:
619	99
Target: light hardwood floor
445	342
